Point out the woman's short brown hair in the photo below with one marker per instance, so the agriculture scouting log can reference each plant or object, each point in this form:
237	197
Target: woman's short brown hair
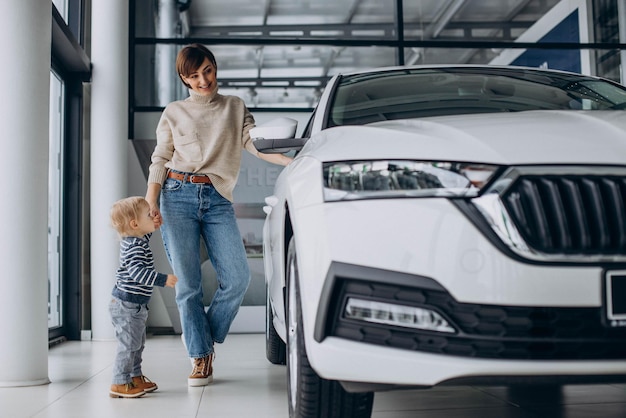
190	58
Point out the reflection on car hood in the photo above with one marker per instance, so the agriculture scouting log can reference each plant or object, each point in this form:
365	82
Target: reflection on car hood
534	137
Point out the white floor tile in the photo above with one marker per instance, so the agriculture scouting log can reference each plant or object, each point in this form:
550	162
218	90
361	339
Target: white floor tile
247	385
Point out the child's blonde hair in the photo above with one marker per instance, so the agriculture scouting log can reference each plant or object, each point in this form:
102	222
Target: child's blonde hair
125	210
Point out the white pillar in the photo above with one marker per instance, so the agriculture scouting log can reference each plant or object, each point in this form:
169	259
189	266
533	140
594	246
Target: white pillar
26	28
621	19
166	22
109	149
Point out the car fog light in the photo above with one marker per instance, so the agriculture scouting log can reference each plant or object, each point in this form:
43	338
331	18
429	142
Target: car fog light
398	315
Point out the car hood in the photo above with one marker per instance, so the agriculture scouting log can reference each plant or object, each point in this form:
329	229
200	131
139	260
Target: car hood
532	137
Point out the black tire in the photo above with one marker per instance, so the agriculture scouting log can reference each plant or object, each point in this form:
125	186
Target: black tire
309	395
275	347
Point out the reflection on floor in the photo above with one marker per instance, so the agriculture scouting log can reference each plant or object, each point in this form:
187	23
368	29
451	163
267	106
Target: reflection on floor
247	385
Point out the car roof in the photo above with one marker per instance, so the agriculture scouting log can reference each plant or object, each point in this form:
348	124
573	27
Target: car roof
503	68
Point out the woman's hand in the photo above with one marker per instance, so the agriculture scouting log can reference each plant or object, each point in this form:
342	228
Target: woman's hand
152	195
279	159
155	212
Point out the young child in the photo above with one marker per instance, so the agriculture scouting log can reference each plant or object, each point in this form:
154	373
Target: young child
136	278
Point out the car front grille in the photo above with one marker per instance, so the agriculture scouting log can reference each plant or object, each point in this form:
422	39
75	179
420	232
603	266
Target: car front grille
570	214
484	331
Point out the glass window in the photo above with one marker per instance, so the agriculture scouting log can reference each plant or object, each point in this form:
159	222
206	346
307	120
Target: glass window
454	20
263	76
61	6
318	19
55	190
278	56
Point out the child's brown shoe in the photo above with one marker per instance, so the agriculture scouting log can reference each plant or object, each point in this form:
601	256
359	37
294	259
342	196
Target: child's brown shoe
142	382
126	390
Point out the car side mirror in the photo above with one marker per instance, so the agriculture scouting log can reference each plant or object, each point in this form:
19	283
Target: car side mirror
277	136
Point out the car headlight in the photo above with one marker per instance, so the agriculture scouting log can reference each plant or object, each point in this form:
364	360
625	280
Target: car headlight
351	180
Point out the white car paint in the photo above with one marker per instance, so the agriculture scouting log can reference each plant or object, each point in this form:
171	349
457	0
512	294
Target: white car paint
430	236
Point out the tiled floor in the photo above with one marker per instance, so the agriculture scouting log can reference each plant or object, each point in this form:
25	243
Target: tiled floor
247	385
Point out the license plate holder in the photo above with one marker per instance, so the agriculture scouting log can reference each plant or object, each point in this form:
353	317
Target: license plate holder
615	298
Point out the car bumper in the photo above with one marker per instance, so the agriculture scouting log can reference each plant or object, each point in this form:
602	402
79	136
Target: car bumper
365	368
512	318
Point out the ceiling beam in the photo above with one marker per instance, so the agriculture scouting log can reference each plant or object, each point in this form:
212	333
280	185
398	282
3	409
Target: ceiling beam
387	29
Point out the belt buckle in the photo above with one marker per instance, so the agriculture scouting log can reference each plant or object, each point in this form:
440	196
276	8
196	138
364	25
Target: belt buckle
192	178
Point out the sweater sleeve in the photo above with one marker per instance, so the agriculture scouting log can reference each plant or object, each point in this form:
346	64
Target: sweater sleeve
163	151
139	267
248	123
160	280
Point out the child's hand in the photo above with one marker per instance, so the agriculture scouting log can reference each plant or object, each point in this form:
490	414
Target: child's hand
171	280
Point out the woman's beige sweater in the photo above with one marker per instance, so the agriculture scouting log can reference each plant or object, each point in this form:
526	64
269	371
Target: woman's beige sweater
203	135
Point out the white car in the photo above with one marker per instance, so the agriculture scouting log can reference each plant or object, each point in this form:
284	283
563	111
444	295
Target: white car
448	225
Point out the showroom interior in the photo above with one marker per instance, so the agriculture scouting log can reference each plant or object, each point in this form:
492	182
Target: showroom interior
105	69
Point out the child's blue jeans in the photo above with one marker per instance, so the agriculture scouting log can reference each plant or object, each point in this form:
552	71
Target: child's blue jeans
129	320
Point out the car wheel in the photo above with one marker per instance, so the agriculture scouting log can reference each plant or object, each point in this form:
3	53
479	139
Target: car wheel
274	345
310	395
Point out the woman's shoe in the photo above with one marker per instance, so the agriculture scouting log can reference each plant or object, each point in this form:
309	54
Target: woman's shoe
202	373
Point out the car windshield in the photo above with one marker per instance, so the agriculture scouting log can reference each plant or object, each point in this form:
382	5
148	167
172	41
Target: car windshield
416	93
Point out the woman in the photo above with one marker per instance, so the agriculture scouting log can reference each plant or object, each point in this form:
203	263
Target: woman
194	169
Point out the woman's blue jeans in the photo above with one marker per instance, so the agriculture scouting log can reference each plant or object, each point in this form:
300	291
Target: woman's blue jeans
191	212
